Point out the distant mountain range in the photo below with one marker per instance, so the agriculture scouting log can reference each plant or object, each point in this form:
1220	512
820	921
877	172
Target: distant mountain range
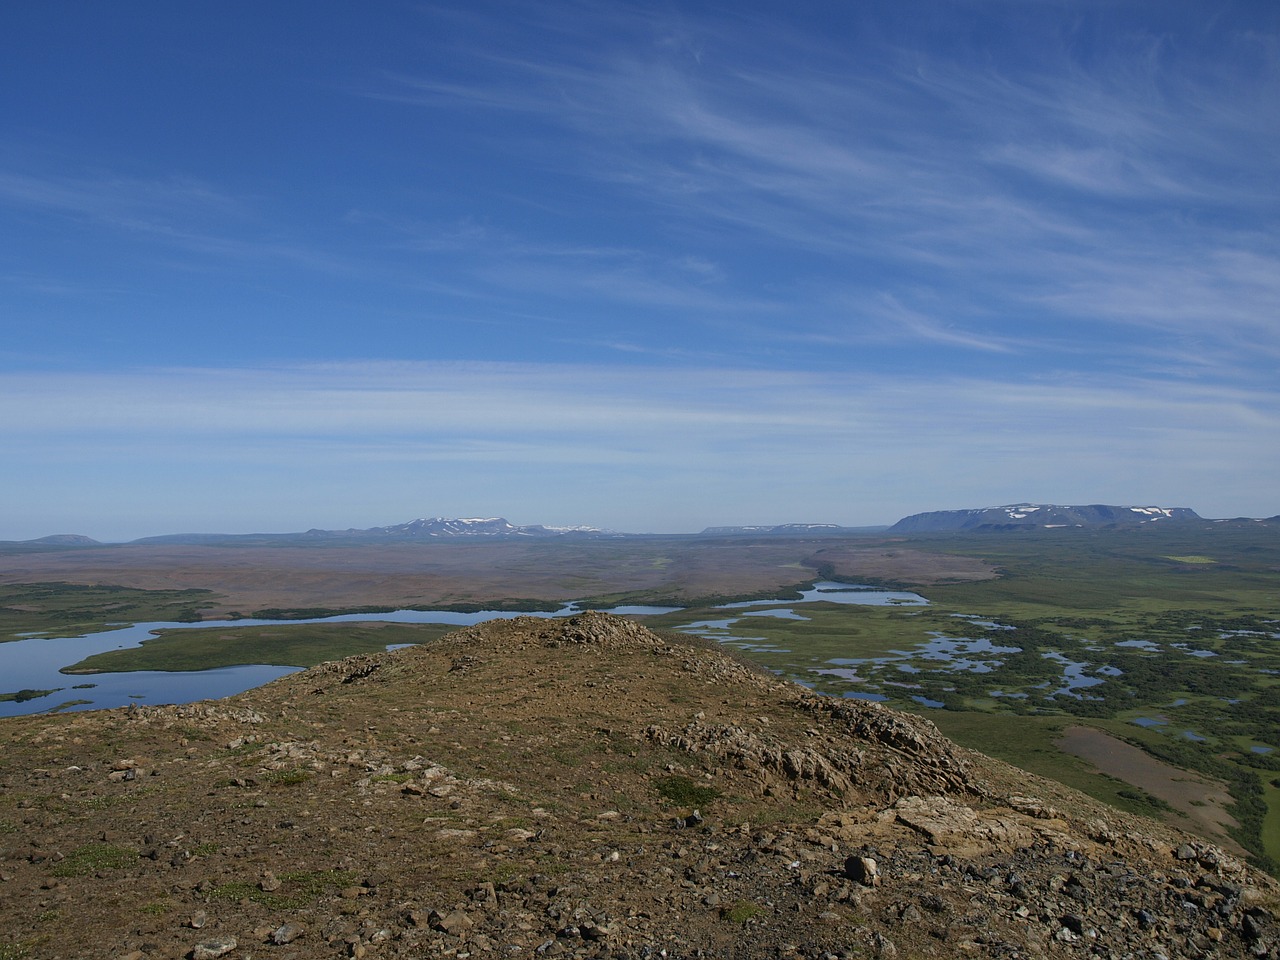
424	528
1023	516
1040	516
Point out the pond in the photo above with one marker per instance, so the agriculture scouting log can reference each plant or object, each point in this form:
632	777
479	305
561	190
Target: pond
829	591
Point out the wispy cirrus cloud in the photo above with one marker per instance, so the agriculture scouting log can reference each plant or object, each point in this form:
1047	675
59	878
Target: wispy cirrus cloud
117	201
1022	184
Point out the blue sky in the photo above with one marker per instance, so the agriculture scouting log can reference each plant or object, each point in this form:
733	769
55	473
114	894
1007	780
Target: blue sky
650	267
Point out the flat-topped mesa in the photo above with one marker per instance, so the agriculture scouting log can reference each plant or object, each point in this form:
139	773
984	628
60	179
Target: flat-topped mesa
1025	516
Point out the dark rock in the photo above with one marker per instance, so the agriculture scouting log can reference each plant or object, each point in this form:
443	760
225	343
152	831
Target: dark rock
863	870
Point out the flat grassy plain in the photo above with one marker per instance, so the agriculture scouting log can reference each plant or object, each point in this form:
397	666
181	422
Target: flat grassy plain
1165	637
68	609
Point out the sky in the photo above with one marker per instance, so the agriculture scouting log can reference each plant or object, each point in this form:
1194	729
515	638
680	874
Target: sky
642	266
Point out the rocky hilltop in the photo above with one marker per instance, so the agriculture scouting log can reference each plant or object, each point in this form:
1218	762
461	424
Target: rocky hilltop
578	787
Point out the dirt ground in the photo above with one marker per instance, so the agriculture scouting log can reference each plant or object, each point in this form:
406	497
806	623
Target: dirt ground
1199	799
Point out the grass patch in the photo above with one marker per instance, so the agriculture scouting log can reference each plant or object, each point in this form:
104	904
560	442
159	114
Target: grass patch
158	908
286	778
94	858
742	911
684	792
243	749
297	889
1143	799
1271	823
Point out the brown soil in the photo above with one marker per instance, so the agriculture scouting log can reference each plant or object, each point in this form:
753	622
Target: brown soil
1200	799
576	787
425	573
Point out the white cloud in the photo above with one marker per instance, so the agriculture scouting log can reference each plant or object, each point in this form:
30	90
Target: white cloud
664	442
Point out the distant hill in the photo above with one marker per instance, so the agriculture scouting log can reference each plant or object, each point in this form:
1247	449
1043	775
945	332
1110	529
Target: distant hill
424	528
56	540
786	530
66	540
488	527
1039	516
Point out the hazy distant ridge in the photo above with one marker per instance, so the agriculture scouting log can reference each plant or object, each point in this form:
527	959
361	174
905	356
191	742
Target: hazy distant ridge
783	530
1022	516
1039	516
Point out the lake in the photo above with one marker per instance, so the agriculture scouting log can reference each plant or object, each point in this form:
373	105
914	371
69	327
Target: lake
34	663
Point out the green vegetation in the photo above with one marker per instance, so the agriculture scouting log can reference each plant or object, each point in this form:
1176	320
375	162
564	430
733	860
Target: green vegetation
1128	630
22	696
741	911
286	778
683	792
70	610
297	889
94	858
300	645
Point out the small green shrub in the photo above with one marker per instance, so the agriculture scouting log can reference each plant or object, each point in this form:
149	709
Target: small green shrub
684	792
740	912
